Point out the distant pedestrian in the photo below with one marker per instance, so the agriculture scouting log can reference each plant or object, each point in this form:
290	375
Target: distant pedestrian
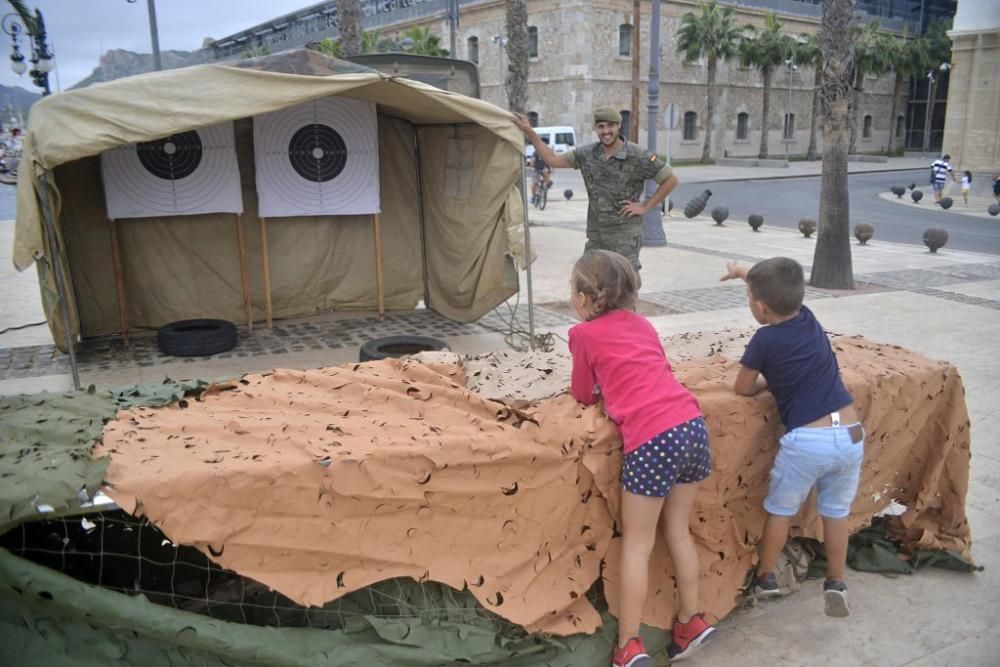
940	169
614	171
966	185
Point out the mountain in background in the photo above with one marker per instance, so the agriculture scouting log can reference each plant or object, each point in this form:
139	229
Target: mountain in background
119	63
17	100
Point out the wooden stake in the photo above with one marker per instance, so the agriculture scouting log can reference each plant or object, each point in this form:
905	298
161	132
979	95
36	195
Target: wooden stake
116	261
244	278
378	266
267	269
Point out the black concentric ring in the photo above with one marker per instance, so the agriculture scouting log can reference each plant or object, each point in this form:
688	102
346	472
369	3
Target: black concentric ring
317	153
172	158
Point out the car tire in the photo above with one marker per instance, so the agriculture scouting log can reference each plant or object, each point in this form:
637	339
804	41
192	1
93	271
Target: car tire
391	347
197	338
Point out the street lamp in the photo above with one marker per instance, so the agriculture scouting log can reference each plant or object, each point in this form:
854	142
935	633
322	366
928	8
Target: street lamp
154	35
501	41
791	67
41	56
929	116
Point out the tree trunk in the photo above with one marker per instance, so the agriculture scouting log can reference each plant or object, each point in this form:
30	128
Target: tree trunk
855	109
349	13
897	93
832	266
517	55
765	115
814	118
706	152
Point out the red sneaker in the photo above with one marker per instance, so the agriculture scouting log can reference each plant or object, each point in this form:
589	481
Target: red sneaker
688	637
633	654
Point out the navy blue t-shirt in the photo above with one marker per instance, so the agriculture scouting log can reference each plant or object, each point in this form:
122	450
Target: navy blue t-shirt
798	363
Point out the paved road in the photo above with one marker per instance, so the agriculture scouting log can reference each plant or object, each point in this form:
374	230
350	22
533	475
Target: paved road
784	201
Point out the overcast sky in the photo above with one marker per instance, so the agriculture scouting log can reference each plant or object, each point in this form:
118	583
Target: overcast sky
79	29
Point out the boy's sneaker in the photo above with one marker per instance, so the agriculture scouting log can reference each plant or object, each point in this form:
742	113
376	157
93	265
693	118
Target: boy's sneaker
835	598
688	637
633	654
764	586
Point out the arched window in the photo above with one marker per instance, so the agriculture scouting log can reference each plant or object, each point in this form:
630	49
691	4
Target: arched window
626	127
533	118
866	128
789	126
532	41
472	49
900	126
742	125
690	125
624	39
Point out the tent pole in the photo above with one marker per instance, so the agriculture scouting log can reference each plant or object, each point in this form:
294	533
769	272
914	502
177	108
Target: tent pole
50	228
377	219
244	278
420	218
116	263
527	259
267	269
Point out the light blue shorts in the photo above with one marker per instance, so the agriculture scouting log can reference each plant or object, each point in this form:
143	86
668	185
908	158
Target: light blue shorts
824	457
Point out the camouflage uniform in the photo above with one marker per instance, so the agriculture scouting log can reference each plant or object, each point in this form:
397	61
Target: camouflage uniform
608	182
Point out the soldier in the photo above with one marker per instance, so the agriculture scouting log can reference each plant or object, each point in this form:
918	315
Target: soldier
614	172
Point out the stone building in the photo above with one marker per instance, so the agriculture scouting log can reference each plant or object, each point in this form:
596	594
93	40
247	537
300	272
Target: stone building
581	59
972	123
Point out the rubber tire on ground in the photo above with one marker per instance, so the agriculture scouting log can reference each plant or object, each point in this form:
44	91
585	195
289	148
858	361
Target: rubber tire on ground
197	338
391	347
543	197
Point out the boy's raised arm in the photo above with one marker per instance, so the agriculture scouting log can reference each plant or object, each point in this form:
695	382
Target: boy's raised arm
749	382
735	270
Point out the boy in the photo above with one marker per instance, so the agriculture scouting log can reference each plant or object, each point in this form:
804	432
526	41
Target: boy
823	443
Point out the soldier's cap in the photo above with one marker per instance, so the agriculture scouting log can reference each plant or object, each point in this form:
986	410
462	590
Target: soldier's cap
607	115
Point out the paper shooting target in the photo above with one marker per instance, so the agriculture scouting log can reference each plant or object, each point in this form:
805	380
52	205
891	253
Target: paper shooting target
318	158
183	174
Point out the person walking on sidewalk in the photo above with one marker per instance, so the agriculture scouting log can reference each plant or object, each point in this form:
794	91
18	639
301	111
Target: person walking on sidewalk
618	359
614	173
823	445
940	169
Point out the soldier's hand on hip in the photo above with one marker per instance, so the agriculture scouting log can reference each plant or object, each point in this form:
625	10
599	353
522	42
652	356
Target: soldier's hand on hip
630	208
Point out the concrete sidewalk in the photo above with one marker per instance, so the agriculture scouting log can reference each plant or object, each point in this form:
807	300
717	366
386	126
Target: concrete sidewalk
944	305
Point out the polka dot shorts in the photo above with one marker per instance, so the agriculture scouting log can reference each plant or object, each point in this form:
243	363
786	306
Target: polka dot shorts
680	455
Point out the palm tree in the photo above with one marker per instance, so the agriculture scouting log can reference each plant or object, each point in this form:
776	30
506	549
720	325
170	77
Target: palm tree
832	258
808	53
871	56
330	47
765	50
909	58
349	15
712	35
517	55
424	41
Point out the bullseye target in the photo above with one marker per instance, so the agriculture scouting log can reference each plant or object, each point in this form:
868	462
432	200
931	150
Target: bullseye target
184	174
318	158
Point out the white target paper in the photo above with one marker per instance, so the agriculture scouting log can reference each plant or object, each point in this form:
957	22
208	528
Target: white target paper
318	158
184	174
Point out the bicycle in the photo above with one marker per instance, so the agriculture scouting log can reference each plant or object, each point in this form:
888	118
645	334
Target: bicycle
542	193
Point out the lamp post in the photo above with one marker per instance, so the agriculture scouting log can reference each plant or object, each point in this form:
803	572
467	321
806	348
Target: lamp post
41	55
501	41
791	67
652	222
929	116
154	36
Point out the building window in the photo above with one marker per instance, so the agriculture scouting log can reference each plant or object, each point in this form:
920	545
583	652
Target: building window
742	126
866	129
789	132
532	41
624	39
472	48
626	127
533	118
690	126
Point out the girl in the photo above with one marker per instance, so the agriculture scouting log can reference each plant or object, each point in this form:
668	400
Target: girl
966	185
617	357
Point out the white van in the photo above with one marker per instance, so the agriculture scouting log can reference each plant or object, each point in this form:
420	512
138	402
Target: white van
560	138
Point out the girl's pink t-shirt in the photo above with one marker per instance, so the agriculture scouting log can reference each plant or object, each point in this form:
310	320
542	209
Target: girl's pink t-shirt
620	352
